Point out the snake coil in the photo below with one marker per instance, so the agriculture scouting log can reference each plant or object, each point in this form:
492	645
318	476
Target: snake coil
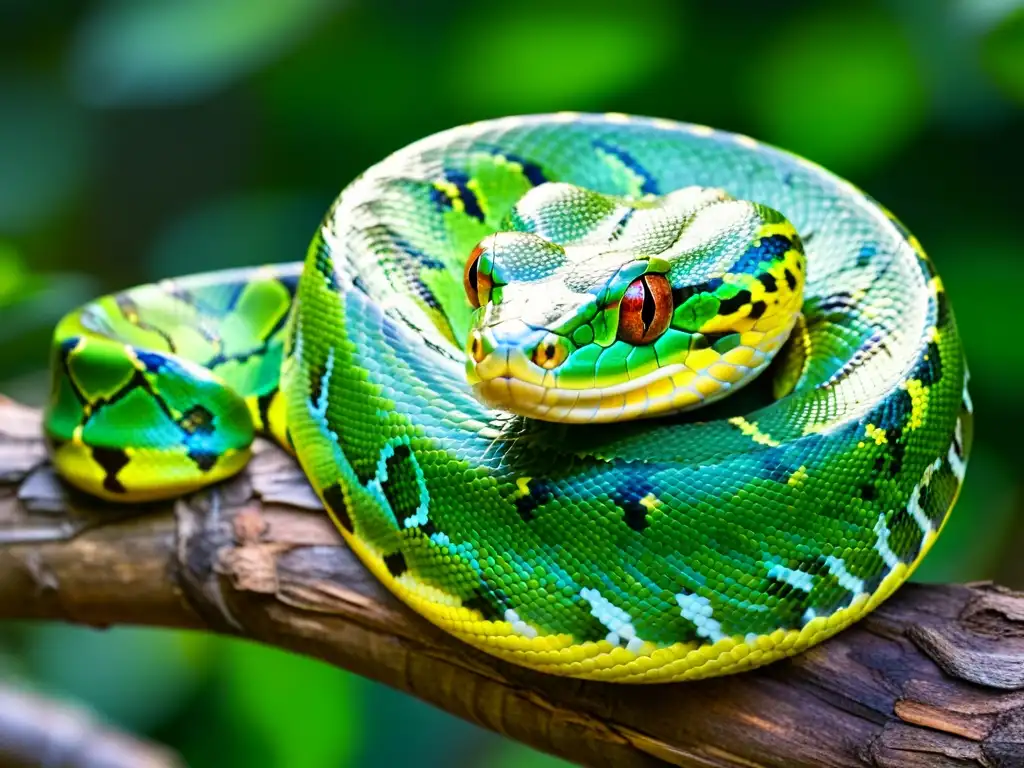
483	455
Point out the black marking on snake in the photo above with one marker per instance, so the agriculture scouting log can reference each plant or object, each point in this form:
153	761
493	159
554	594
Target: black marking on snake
488	602
360	285
421	257
443	351
840	301
401	487
428	528
942	313
539	491
734	303
137	381
843	598
151	361
263	403
620	226
757	309
897	450
112	461
774	468
648	184
780	588
905	535
533	172
130	310
197	420
941	490
929	370
769	282
868	491
767	249
292	336
203	459
924	496
66	348
324	263
263	349
334	498
460	180
682	293
629	497
711	339
926	266
395	563
958	447
790	279
316	382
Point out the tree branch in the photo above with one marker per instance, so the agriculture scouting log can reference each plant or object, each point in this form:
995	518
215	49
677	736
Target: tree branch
935	677
36	731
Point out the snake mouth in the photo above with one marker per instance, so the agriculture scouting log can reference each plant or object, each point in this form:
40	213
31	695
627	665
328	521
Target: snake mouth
669	389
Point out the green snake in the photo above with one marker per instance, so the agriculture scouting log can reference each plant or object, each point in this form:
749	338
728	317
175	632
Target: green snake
609	397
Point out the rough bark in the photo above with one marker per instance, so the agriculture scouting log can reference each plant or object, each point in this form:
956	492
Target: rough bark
935	677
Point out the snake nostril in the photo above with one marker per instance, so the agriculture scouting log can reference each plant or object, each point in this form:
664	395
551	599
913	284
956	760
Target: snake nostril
550	353
476	346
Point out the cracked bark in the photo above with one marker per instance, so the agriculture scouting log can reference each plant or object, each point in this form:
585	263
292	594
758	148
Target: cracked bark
935	677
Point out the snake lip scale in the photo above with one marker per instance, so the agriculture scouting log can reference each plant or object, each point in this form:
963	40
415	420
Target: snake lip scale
610	397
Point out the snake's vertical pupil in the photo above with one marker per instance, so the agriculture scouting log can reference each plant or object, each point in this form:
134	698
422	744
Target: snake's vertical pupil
473	281
646	310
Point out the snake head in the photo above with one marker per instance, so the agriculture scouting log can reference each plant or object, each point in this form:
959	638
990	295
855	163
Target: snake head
593	308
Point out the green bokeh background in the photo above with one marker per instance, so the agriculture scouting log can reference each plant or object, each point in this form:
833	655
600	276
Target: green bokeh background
146	138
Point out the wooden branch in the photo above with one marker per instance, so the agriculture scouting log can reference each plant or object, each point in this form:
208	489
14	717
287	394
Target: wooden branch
935	677
37	731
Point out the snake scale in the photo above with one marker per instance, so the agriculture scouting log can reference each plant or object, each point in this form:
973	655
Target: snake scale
490	367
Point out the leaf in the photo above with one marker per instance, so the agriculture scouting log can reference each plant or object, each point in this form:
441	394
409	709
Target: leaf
840	87
158	52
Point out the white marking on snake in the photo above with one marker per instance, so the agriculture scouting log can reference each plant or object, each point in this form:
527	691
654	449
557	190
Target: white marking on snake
957	464
698	610
795	578
914	505
318	410
519	626
849	582
968	403
882	544
618	623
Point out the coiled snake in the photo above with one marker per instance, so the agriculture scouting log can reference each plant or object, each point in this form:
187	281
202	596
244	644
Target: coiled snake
464	356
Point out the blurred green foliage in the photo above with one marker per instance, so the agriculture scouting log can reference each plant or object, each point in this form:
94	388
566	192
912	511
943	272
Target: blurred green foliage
144	138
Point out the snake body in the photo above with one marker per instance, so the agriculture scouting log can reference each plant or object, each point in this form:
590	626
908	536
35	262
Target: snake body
484	456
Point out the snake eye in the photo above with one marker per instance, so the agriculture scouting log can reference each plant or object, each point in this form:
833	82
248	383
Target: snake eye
646	310
478	286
